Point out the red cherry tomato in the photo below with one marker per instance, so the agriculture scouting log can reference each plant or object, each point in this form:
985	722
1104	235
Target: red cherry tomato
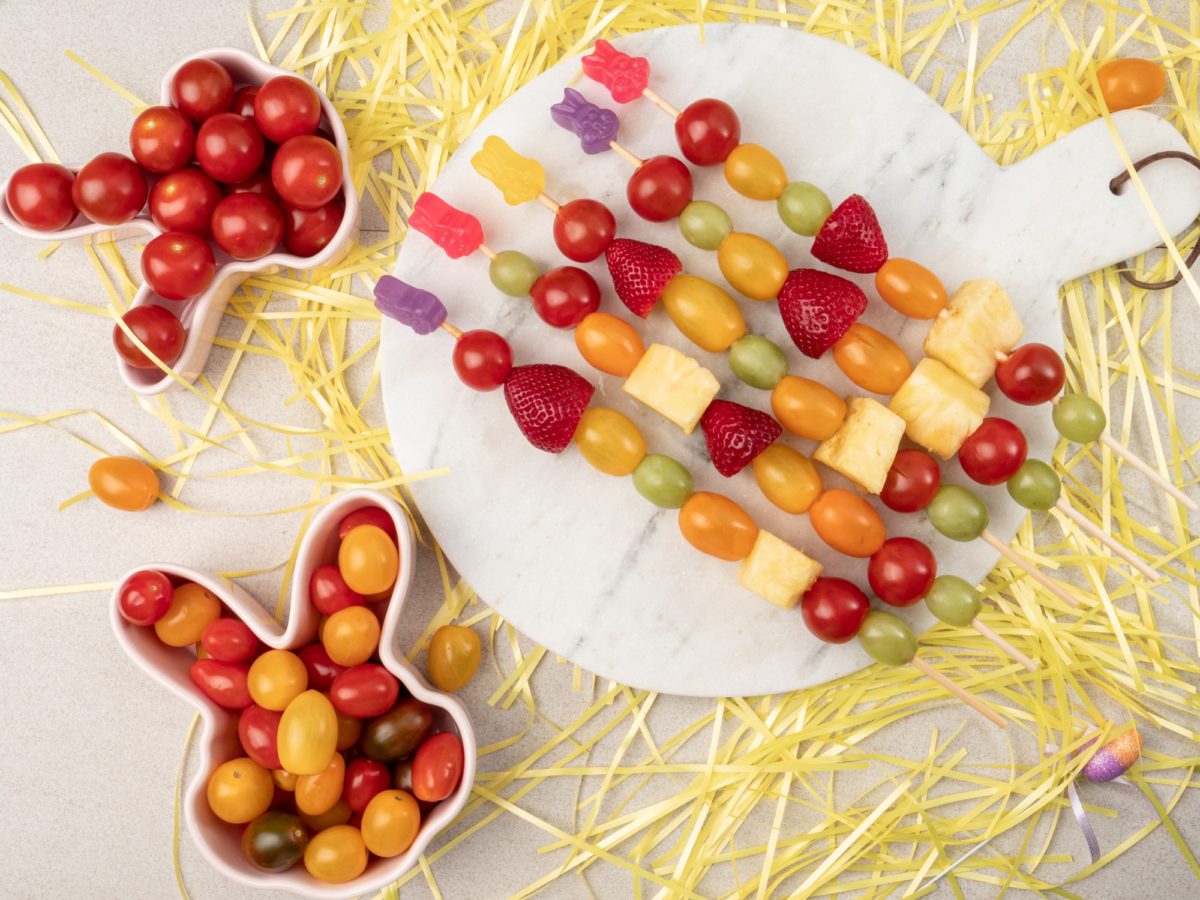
286	107
583	229
201	88
364	779
993	452
367	515
222	683
1032	374
258	183
364	691
110	189
834	609
155	327
162	139
229	148
145	597
243	100
482	360
184	201
229	640
307	171
306	232
437	767
563	297
328	591
321	669
911	482
247	226
660	188
901	571
258	730
707	132
178	265
39	196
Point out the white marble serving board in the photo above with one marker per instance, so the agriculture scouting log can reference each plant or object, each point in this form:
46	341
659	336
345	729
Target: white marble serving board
577	560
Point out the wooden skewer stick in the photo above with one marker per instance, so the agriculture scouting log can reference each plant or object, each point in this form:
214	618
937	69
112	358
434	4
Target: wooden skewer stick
661	103
455	333
1005	646
487	251
1148	470
1104	537
1025	566
549	202
631	158
962	694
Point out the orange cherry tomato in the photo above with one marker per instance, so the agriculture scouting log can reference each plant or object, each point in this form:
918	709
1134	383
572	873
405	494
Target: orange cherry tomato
453	657
339	814
368	559
317	794
192	609
123	482
276	678
351	635
715	525
787	478
284	780
336	855
807	408
847	523
871	359
240	790
910	288
609	344
390	823
1126	83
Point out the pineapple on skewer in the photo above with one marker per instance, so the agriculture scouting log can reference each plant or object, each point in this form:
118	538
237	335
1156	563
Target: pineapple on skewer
672	384
777	571
940	407
978	323
865	445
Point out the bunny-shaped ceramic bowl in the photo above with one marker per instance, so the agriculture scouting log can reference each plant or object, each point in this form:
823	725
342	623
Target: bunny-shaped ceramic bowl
218	737
202	314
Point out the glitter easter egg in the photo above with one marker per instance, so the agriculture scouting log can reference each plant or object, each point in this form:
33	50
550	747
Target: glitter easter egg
1111	760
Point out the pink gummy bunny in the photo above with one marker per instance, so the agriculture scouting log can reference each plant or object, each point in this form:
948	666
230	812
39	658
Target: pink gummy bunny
625	76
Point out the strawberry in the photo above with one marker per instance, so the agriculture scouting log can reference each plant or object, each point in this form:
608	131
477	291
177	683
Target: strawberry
851	238
547	402
818	307
639	272
735	434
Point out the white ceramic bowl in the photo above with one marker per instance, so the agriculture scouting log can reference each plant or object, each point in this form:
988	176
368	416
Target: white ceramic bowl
201	315
217	741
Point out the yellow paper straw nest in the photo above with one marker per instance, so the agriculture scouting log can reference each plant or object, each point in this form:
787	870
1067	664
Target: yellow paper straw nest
808	793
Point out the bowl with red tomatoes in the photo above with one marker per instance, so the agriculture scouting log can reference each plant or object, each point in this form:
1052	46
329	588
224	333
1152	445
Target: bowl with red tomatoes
327	763
242	168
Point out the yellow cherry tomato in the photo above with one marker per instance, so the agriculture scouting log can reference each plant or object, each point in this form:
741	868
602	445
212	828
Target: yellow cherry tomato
336	855
609	441
339	814
191	610
368	559
807	408
276	678
755	172
1126	83
787	478
910	288
350	635
453	656
123	482
307	735
752	265
715	525
240	790
316	794
871	359
705	313
847	523
284	780
390	823
609	344
201	653
348	731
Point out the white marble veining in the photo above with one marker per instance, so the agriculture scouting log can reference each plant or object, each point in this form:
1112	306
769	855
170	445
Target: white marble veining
577	560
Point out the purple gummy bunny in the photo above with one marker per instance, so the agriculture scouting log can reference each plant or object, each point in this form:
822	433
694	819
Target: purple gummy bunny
419	310
595	126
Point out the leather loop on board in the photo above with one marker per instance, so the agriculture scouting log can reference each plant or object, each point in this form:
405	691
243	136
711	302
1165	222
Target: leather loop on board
1118	182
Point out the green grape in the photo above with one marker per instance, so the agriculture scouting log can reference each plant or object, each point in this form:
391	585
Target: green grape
953	600
513	273
957	513
758	362
662	481
803	207
887	639
704	225
1035	485
1079	418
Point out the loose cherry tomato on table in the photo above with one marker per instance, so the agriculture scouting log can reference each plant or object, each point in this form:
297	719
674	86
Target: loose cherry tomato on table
229	148
162	139
398	732
111	189
351	635
318	793
321	669
240	790
659	189
368	560
243	101
328	591
306	232
390	823
184	201
563	297
307	171
583	229
911	482
39	196
123	483
901	571
307	734
1126	83
178	265
367	515
221	682
275	841
286	107
247	226
145	597
437	767
201	88
993	452
229	640
364	779
155	327
258	730
336	855
482	359
258	183
192	609
834	609
276	678
364	691
453	657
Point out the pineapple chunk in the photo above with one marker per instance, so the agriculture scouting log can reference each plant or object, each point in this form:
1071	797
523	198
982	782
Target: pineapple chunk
673	385
978	323
864	446
940	406
777	571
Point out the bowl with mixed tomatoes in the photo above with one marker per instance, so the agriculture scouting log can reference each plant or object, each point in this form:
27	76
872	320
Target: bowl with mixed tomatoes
243	167
327	763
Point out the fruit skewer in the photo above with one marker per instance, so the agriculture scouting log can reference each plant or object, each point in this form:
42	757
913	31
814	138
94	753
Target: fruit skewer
550	404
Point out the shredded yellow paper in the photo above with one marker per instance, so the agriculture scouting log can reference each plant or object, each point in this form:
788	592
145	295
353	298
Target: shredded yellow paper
745	800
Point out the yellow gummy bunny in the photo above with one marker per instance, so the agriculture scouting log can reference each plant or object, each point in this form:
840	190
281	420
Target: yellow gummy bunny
519	178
